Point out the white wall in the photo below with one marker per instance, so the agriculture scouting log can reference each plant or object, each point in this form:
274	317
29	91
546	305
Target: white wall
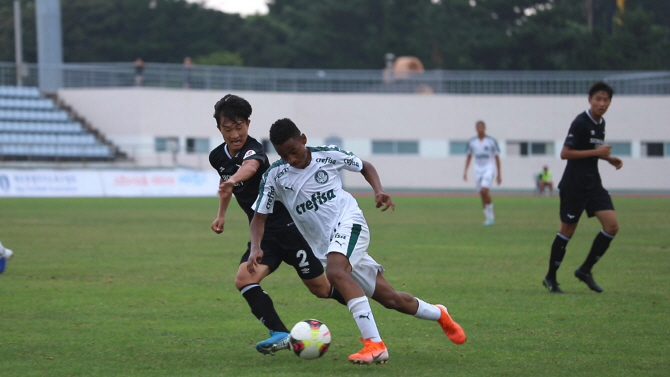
132	117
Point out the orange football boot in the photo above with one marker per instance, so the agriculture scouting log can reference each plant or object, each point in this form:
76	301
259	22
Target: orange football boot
372	352
453	330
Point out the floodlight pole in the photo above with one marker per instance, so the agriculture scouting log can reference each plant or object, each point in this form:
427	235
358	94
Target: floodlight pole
388	71
588	6
49	45
18	42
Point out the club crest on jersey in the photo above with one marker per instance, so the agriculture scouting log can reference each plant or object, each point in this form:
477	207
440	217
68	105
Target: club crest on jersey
249	153
321	176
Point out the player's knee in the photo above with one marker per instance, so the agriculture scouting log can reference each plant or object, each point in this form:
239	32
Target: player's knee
336	274
320	291
567	230
242	280
611	228
239	283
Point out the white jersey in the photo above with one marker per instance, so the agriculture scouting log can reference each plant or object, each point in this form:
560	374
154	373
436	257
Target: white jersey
314	195
484	152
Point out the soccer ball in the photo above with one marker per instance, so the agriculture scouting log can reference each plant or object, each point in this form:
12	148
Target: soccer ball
310	339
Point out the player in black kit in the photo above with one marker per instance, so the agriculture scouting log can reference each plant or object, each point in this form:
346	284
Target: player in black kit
581	188
241	162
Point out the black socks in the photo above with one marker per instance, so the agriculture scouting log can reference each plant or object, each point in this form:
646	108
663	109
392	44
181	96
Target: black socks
336	295
600	245
262	307
557	254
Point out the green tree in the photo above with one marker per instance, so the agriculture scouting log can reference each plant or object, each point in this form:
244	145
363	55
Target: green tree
266	43
220	58
637	43
28	31
157	30
329	34
356	34
559	39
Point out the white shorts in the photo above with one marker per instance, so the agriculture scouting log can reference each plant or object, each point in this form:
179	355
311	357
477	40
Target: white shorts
484	178
352	240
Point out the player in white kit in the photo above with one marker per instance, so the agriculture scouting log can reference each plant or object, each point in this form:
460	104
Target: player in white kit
487	164
307	182
5	255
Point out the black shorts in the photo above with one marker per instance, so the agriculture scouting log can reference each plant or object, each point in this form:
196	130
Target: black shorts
290	247
574	202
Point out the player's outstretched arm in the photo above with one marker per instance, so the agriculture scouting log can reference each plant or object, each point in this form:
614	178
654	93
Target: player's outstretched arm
244	173
256	231
382	199
224	199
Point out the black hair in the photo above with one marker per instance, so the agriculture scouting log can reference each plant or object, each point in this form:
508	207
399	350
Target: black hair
283	130
601	86
232	107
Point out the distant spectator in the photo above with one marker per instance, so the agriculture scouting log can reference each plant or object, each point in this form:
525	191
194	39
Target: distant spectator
139	71
544	181
188	65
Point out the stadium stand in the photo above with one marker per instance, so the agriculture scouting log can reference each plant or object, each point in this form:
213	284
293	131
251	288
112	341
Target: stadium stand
34	128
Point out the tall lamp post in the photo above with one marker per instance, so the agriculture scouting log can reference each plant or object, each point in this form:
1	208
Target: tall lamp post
18	43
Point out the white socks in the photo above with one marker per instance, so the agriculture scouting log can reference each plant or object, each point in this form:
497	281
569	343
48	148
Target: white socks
427	311
362	313
488	211
360	309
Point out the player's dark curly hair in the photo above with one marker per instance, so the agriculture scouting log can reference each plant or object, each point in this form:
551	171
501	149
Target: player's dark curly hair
283	130
601	86
232	107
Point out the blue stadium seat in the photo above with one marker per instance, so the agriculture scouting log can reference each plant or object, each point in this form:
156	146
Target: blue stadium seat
33	126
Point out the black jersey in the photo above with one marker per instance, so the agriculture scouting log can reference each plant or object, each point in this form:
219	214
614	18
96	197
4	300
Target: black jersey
246	192
584	134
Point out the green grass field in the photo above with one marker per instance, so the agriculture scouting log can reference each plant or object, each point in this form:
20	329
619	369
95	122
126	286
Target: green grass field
143	287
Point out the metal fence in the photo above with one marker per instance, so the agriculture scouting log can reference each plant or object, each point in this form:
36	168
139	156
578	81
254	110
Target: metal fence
159	75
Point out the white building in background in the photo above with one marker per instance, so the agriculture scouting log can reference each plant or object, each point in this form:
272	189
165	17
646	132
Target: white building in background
416	141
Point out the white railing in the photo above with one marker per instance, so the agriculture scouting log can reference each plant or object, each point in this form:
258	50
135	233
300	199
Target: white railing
96	75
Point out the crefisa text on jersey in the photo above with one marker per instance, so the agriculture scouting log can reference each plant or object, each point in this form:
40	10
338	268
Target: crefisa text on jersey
271	197
281	173
350	162
326	160
313	204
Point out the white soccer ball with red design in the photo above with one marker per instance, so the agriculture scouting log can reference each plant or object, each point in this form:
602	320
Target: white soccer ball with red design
310	339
